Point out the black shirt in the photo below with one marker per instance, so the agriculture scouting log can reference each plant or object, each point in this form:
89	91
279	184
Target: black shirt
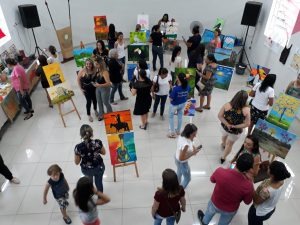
60	187
156	38
103	53
195	40
115	71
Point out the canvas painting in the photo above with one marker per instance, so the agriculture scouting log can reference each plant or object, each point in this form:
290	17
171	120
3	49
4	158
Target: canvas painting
172	29
100	21
60	92
208	35
118	122
257	74
64	36
137	37
223	77
228	42
143	20
295	63
81	55
284	111
191	77
137	52
225	57
273	139
190	107
54	74
219	24
121	148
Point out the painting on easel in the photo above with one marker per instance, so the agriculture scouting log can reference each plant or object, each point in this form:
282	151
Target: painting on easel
118	122
54	74
60	92
121	148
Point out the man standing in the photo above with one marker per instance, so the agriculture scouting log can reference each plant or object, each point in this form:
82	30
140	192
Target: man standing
232	187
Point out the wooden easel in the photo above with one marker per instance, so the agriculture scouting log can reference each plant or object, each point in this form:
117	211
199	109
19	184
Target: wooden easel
62	114
125	164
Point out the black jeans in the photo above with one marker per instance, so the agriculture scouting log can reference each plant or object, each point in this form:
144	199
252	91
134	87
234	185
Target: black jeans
157	51
25	100
162	99
114	88
90	96
4	170
253	219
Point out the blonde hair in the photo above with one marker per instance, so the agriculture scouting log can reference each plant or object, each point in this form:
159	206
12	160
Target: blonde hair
86	132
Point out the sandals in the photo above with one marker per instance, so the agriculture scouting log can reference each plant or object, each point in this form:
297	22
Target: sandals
198	109
67	220
206	107
28	116
143	128
172	135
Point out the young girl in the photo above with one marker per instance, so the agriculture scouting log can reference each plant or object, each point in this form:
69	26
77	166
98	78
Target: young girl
60	189
53	58
83	196
176	61
267	194
120	46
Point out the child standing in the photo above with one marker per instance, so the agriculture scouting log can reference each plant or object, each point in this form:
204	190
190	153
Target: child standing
83	196
60	189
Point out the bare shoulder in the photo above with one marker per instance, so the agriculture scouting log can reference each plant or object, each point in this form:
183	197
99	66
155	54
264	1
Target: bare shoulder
246	110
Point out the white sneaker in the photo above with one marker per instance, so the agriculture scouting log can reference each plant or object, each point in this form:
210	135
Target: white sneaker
15	180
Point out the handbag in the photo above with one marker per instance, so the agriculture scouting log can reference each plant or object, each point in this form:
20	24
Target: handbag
156	85
200	84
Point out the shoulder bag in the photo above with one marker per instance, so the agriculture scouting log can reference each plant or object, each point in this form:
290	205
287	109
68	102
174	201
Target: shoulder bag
156	85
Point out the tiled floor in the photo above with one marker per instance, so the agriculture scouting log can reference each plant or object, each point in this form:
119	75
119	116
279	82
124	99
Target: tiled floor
29	147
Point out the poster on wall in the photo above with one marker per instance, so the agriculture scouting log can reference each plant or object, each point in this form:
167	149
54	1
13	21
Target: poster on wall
60	93
257	74
4	32
223	77
54	74
190	74
273	139
118	122
284	111
143	20
137	52
190	107
81	55
100	28
121	148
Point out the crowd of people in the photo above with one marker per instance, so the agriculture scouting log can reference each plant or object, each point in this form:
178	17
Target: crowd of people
99	80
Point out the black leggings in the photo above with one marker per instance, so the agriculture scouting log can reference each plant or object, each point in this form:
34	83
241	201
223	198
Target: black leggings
4	170
253	219
90	96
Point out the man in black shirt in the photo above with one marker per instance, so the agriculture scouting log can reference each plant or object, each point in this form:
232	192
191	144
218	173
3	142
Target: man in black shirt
193	42
157	49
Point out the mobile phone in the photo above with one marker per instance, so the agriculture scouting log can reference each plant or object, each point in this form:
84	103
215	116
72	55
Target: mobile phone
38	62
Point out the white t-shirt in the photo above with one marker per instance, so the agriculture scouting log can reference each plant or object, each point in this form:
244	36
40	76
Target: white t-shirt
92	215
51	59
261	99
164	84
121	50
181	143
135	73
177	61
268	205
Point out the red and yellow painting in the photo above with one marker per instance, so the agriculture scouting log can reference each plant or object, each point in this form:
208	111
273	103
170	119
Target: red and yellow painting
118	122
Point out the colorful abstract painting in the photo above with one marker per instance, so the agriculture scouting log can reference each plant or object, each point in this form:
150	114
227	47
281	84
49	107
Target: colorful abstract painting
60	93
118	122
191	77
257	74
190	107
223	77
137	52
273	139
54	74
137	37
284	111
81	55
121	148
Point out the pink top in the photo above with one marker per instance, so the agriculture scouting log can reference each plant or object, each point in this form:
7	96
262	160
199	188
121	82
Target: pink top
216	45
19	72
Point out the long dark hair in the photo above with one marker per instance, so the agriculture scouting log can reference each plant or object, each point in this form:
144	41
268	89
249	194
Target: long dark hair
188	130
175	52
269	81
143	75
279	171
11	61
143	64
111	30
183	80
162	71
211	58
170	182
52	49
255	149
155	28
43	60
239	100
165	15
83	192
102	45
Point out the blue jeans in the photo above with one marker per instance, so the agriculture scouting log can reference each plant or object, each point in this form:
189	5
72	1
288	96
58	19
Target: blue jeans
97	173
211	210
102	96
172	109
158	219
157	51
114	88
183	170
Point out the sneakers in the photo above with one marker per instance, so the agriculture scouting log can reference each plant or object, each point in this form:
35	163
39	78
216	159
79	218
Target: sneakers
67	220
200	215
15	180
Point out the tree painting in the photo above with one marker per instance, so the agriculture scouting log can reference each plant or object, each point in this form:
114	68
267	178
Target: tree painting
284	111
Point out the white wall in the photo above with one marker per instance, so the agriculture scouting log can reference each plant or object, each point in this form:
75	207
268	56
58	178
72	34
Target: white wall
123	13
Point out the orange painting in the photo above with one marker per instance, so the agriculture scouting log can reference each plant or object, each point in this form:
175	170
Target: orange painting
118	122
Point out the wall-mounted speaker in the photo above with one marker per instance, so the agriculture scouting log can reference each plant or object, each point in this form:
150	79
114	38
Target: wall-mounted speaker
251	13
29	16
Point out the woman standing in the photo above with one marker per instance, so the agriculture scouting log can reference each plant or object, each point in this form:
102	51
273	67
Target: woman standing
53	58
120	46
111	36
88	154
293	88
267	194
40	72
164	82
185	150
250	146
20	83
142	90
178	99
141	65
193	42
234	116
100	51
168	199
162	23
176	61
216	42
263	97
87	198
85	79
157	49
102	85
207	80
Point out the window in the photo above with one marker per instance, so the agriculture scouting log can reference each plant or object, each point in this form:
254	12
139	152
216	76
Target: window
282	20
